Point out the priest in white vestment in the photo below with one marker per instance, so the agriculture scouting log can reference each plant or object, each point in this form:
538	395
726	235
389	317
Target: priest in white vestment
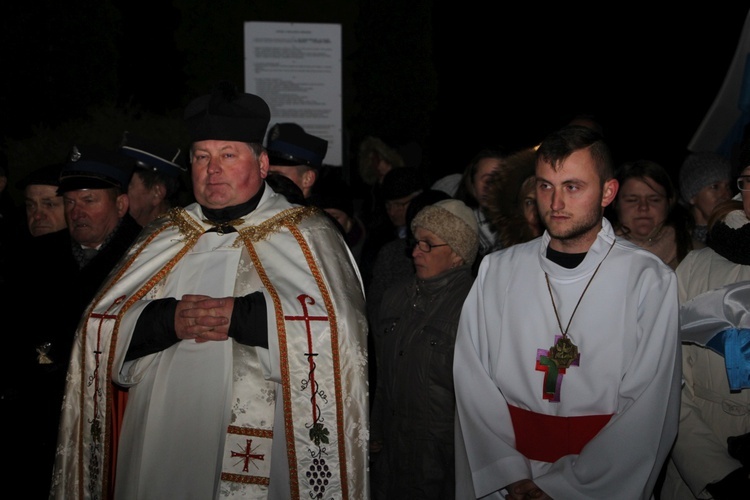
237	326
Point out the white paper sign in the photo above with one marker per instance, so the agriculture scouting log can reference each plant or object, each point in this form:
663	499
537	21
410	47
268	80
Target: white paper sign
296	69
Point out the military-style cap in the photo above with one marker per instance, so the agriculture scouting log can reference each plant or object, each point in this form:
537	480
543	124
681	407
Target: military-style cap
289	145
49	175
151	155
227	115
93	167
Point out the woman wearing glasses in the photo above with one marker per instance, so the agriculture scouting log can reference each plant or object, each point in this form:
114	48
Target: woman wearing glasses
711	457
412	417
646	211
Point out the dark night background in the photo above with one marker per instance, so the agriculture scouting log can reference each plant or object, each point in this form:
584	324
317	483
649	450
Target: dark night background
453	77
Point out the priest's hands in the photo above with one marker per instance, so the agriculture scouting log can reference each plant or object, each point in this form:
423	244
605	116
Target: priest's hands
203	318
525	489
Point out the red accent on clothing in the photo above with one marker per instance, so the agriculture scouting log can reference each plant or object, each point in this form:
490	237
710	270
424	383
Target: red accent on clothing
304	300
547	438
119	400
247	455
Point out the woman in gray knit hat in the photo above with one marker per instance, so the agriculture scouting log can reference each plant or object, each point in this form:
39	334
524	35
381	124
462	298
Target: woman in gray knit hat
412	415
704	183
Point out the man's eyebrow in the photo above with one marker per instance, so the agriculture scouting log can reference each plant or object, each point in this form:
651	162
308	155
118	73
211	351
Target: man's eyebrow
574	180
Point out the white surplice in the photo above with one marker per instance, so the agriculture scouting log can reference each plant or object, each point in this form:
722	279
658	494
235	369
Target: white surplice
626	330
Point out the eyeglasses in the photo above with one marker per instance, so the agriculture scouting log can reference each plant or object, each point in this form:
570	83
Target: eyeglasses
647	200
426	246
743	183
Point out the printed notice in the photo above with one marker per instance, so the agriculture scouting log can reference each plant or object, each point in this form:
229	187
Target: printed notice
296	69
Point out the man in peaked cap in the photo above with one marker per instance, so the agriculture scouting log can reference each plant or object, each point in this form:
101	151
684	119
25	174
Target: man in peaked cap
45	212
157	177
295	154
237	324
94	186
62	272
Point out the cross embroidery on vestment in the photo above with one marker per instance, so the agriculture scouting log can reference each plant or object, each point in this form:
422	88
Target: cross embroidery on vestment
247	455
553	375
304	300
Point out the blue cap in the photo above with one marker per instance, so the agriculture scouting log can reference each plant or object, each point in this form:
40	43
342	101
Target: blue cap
289	145
152	155
93	167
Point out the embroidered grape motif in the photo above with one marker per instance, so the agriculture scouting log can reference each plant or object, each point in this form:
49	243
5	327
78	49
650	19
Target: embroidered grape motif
318	474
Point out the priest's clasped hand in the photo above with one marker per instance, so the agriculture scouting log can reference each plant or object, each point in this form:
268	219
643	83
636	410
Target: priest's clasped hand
203	318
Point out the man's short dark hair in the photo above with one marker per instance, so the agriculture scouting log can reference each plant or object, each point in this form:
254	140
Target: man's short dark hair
559	145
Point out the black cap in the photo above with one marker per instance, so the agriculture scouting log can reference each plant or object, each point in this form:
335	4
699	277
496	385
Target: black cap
152	155
227	115
93	167
401	182
289	145
49	175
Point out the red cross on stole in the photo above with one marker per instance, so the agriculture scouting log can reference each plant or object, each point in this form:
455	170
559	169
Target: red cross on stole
304	300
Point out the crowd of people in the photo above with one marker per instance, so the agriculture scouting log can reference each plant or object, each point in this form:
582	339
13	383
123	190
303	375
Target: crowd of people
227	320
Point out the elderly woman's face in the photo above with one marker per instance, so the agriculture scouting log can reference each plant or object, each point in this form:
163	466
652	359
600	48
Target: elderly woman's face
439	258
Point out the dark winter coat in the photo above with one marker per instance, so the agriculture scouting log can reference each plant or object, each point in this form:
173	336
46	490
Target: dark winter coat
414	407
50	295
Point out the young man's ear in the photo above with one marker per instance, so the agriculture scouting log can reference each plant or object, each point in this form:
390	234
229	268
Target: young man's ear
609	191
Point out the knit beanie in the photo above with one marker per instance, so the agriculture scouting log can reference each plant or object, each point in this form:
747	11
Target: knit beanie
702	169
455	223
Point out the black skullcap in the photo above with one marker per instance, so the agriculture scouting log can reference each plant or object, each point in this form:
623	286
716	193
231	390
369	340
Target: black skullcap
227	115
401	182
152	155
49	175
289	145
93	167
